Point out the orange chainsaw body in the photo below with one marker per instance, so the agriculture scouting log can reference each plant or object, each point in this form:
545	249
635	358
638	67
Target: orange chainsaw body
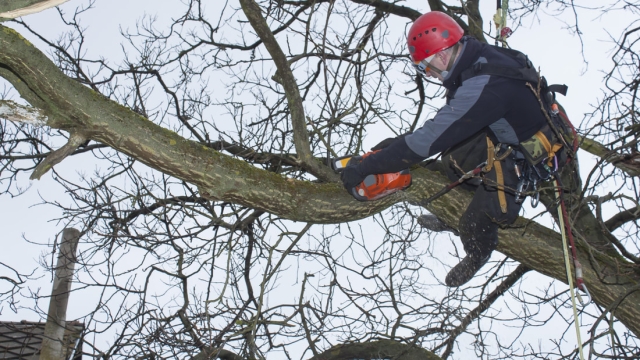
377	186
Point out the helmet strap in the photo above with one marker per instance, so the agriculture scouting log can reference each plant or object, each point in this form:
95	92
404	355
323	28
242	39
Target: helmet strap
452	60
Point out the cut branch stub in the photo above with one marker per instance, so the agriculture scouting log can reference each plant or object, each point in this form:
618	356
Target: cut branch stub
57	156
23	114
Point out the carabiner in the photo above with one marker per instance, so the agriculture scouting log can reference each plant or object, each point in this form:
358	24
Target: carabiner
535	199
522	187
586	291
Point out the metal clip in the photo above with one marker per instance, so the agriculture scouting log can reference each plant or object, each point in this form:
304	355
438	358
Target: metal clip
535	199
586	291
496	152
522	186
580	285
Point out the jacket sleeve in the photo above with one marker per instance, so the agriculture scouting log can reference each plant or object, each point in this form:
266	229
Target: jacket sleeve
395	157
476	105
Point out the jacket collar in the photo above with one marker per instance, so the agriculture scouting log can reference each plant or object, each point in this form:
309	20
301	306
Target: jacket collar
469	54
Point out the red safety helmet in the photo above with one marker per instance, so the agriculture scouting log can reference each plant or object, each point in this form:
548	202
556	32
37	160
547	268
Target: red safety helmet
432	33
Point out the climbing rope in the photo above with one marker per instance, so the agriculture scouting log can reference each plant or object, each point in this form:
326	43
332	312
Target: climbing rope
502	33
565	230
500	19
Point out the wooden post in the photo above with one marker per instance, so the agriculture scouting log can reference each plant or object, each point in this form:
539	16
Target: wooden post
52	343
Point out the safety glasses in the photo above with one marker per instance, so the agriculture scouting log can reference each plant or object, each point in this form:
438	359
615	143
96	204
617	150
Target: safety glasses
422	67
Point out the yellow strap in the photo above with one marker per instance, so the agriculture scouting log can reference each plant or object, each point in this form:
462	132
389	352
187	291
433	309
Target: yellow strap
554	150
502	199
492	162
544	141
551	149
490	156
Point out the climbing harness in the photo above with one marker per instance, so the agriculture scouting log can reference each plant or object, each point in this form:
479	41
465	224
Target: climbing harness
530	175
542	152
500	19
493	162
495	154
540	156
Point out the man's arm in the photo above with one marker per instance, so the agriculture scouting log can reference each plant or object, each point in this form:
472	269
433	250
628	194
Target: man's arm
476	105
473	108
393	158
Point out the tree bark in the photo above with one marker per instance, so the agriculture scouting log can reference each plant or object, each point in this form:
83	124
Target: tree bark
75	108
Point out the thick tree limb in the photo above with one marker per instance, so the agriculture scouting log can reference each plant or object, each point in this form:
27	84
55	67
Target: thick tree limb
629	165
622	218
608	278
11	9
70	106
217	353
53	346
380	349
471	8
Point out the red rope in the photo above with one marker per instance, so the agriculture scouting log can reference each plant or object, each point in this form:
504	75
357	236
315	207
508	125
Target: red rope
579	281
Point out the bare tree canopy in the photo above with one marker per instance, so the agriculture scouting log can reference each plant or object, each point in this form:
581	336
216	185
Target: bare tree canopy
214	227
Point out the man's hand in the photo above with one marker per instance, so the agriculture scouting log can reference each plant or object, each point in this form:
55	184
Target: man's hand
383	144
351	177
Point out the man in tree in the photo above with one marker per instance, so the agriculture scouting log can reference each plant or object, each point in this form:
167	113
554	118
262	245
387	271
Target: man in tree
486	118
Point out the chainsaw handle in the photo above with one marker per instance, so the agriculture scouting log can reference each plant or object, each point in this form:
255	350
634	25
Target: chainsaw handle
338	164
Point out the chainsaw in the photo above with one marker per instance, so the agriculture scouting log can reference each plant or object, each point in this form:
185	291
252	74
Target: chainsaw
373	187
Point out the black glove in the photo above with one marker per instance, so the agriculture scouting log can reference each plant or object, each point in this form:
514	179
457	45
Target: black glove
351	177
388	141
383	144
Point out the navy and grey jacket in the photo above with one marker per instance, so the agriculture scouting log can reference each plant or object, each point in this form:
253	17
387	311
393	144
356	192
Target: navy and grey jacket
506	109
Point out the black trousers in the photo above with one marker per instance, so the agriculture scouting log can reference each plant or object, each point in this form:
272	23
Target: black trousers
479	224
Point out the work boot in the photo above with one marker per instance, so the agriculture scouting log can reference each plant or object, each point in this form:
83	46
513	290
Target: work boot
465	270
